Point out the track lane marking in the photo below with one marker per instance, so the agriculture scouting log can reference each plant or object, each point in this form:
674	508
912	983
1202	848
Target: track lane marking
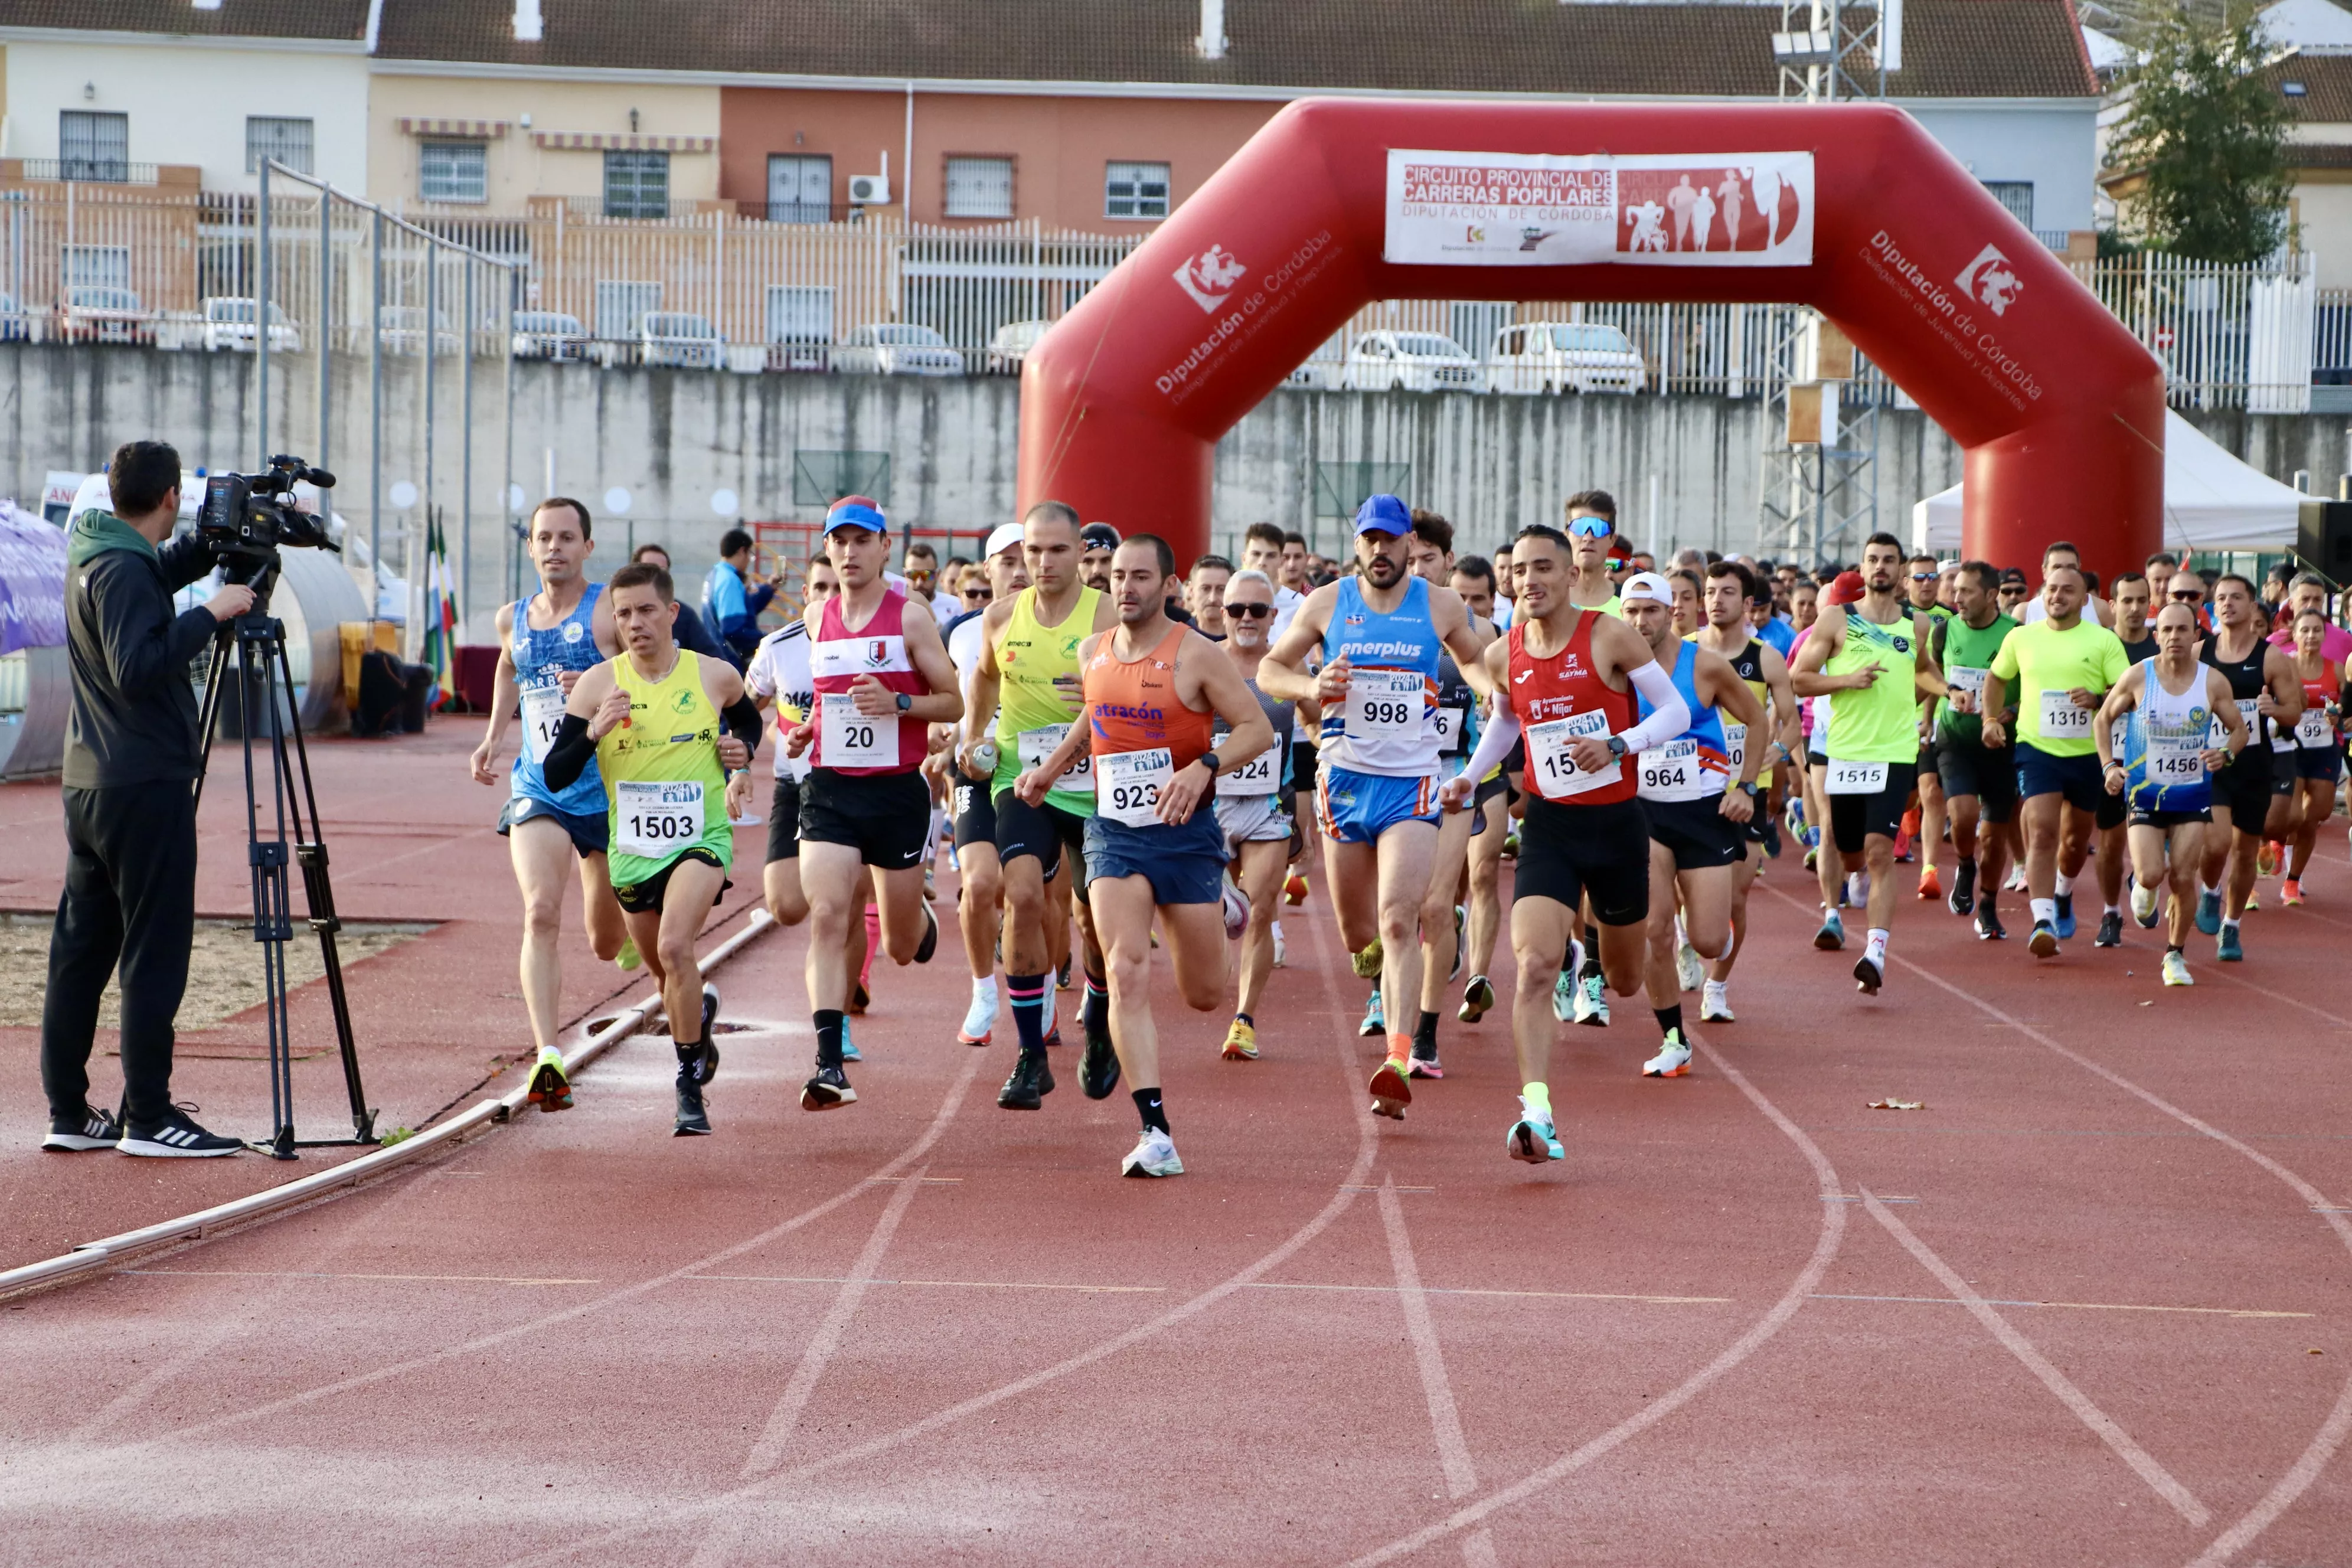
1454	1460
2143	1464
322	1274
2079	1306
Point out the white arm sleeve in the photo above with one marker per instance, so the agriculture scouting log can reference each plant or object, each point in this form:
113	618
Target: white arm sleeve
1669	714
1494	742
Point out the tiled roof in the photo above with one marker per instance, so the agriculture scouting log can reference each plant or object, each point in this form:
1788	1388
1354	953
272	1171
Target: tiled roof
2326	81
344	20
2001	48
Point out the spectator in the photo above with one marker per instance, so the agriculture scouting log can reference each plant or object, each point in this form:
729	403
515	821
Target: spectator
733	596
1206	585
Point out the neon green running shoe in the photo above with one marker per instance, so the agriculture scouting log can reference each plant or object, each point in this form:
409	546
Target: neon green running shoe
1367	963
551	1087
628	958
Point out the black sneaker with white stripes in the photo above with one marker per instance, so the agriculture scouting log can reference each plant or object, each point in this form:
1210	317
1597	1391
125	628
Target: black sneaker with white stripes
90	1130
176	1137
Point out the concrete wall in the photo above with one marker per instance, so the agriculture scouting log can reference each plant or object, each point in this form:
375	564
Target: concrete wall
674	439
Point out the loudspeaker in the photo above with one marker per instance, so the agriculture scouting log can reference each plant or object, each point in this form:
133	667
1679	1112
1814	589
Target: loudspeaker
2324	539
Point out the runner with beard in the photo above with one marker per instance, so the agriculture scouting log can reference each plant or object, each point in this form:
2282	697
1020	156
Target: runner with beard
1729	590
1253	803
1473	578
2263	686
981	898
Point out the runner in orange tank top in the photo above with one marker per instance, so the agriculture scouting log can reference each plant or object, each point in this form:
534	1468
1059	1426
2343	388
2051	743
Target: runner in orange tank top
1153	847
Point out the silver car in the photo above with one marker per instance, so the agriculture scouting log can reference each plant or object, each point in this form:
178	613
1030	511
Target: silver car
549	334
681	339
1411	361
1565	356
896	348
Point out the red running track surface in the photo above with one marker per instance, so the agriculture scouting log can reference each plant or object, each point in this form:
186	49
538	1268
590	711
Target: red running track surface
2064	1314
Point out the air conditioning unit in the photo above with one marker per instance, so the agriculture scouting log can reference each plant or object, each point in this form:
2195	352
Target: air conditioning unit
869	190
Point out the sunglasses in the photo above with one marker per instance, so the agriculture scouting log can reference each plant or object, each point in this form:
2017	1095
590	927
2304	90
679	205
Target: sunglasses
1923	576
980	592
2186	596
1590	528
1250	612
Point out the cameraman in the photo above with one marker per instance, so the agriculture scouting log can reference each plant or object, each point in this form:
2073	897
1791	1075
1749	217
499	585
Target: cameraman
132	756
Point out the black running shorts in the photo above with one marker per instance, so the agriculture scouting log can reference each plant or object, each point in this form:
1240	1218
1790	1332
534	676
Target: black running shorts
1696	831
1568	853
1969	768
784	821
643	898
2245	786
974	809
1044	830
885	817
1855	818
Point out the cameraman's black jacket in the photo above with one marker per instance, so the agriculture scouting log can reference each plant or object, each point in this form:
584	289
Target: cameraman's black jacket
134	704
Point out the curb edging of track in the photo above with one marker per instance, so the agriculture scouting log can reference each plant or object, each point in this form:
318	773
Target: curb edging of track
91	1256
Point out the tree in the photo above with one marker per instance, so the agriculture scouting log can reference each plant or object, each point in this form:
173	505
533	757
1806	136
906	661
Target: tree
2205	131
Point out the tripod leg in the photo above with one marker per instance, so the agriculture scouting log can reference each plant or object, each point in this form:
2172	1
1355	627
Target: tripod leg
272	921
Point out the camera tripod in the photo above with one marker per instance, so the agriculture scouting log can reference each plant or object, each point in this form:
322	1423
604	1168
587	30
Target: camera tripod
251	649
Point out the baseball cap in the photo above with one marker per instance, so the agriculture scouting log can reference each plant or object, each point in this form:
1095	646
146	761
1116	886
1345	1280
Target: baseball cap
1097	536
1005	536
1383	514
1646	586
856	511
1845	588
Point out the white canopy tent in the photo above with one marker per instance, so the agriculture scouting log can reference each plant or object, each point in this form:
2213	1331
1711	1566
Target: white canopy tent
2212	501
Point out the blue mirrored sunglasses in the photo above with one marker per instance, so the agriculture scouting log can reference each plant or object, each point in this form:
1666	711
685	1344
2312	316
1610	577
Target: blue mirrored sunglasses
1592	528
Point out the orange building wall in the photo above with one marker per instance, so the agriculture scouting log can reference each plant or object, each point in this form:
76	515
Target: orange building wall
1059	146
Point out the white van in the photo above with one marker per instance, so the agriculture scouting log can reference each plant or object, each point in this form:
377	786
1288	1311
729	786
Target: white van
1411	361
1564	356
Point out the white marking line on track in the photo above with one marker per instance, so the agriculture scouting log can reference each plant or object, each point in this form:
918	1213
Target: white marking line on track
1444	1419
2142	1462
2338	1425
952	1284
2078	1306
1367	1147
1531	1295
1800	1291
321	1274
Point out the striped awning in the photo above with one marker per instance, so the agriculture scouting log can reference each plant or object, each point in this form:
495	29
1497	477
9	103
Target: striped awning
485	129
621	141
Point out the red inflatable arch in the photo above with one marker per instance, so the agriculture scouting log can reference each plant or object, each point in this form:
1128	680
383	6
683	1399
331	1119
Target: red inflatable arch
1339	202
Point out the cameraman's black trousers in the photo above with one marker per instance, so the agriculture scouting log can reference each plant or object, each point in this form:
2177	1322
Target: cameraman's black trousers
131	895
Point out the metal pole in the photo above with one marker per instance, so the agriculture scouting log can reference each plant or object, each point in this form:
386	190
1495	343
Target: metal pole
325	458
432	332
465	448
506	467
375	410
260	319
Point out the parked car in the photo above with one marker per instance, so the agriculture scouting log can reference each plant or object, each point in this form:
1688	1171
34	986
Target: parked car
401	328
549	334
1411	361
679	339
1322	369
96	313
1565	356
229	324
15	327
896	348
1011	345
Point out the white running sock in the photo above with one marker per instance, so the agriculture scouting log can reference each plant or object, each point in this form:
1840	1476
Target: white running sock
2111	909
2065	884
1277	930
2045	910
2229	924
1874	949
984	990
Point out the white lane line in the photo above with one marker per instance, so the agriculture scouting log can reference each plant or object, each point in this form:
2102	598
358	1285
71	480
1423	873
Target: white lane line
2332	1432
2079	1306
2142	1462
1534	1295
321	1274
1444	1419
1800	1291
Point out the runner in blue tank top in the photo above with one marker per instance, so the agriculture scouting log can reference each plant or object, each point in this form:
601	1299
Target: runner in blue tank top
544	644
1381	634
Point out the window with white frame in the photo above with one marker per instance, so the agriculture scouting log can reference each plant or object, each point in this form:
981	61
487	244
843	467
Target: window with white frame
980	187
93	146
800	313
453	171
2017	196
267	138
96	266
621	308
637	185
1135	190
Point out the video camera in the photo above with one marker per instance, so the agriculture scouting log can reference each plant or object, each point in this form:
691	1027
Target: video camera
246	517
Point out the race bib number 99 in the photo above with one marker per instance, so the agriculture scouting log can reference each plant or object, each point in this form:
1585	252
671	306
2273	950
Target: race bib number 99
655	819
1131	785
1554	770
1036	745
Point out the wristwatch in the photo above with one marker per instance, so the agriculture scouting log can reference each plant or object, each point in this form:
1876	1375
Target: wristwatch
1751	789
905	702
1211	758
1617	746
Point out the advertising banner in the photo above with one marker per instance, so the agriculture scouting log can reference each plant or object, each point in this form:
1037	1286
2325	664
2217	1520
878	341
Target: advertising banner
32	581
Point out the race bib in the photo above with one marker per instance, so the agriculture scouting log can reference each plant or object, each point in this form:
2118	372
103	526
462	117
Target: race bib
1856	778
655	819
1735	745
1962	677
1035	745
2173	759
2313	731
1262	774
1448	725
1672	771
1131	783
543	712
2062	721
1555	771
1385	704
849	739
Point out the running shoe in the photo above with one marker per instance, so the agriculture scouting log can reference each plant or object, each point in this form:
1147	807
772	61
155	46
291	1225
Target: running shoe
1237	906
1294	888
1477	999
1963	899
2226	947
930	943
628	960
979	1020
1689	971
1857	888
550	1088
1099	1070
1902	845
1367	963
2266	863
859	998
1672	1060
1062	976
1534	1140
2176	969
1988	926
1931	885
692	1120
1390	1093
1031	1083
1714	1003
2016	883
1771	840
1592	1003
1812	856
2143	902
1376	1023
2043	943
703	1065
1510	850
1868	975
1460	934
2291	892
1241	1042
849	1051
2065	921
1830	938
1154	1154
2111	929
1424	1061
2209	913
1566	998
1280	957
710	1018
91	1130
828	1090
2253	898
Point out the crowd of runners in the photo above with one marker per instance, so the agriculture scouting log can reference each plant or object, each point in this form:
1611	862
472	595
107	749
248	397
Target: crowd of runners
1125	761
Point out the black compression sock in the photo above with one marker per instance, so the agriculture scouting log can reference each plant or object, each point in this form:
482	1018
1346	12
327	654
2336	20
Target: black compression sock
1426	1030
1246	1018
1096	1012
1155	1115
1592	968
828	1021
1669	1018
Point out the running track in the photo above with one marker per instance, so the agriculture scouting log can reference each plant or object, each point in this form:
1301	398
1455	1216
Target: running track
2064	1314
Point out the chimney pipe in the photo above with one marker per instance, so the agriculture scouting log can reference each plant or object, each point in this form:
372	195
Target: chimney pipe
1212	41
528	25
